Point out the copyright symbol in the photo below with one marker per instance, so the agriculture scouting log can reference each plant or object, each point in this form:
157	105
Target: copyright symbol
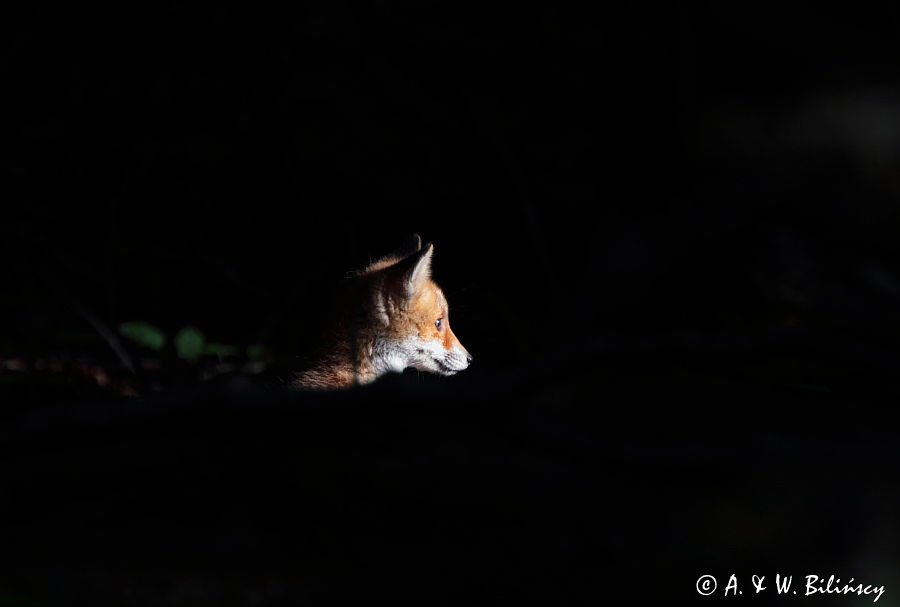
706	585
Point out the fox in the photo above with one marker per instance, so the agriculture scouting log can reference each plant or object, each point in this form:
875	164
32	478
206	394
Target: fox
391	316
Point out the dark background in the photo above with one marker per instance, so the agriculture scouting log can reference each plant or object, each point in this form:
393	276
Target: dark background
667	235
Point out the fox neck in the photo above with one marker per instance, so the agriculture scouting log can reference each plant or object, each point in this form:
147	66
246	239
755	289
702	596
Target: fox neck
354	359
387	357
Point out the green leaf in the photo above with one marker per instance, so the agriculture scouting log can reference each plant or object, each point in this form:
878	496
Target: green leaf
189	344
220	350
144	334
256	351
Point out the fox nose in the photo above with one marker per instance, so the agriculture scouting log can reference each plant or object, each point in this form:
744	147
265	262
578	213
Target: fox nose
468	358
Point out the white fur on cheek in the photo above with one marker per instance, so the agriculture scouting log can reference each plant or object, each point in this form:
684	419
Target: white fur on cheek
431	355
423	354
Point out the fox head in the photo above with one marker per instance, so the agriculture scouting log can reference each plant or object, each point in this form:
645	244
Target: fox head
412	316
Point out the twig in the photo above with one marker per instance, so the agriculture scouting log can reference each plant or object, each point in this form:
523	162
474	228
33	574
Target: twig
111	338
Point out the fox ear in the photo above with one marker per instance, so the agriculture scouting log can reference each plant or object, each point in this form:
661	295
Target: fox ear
416	270
413	244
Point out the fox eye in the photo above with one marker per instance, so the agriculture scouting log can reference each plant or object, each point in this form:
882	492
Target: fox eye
439	323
